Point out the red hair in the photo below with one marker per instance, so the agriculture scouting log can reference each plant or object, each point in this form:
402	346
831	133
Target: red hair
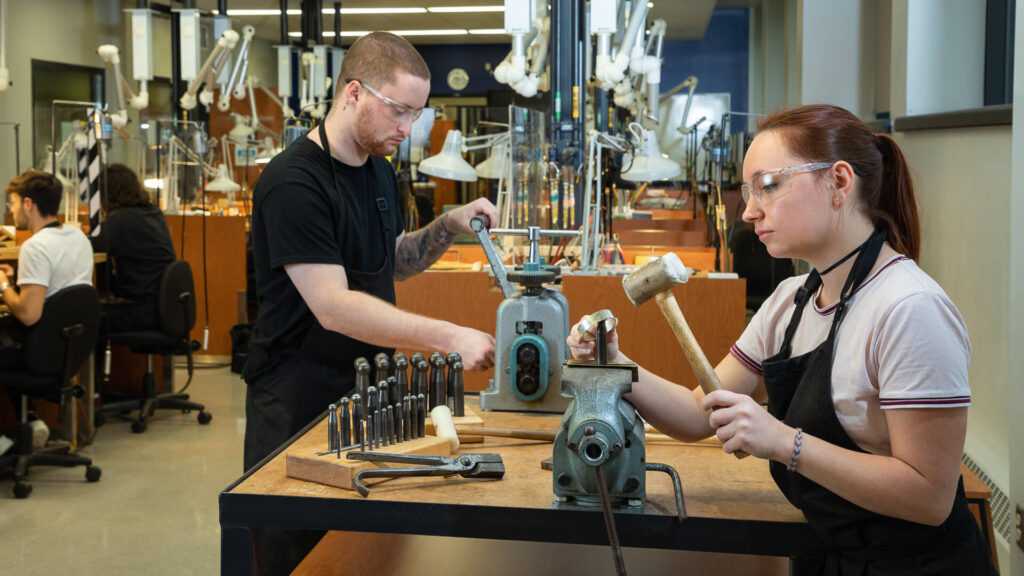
824	133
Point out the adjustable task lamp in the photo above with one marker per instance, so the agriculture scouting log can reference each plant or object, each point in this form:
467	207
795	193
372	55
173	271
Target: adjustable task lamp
223	181
496	164
449	163
266	152
649	165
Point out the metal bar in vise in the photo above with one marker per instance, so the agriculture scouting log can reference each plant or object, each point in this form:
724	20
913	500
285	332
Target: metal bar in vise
609	522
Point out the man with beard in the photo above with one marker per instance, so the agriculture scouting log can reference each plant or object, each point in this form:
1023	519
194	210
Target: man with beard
328	245
54	257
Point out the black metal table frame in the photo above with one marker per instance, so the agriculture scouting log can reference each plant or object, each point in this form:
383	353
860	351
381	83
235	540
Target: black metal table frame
240	513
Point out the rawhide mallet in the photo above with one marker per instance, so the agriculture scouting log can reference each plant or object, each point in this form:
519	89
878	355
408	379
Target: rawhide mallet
656	280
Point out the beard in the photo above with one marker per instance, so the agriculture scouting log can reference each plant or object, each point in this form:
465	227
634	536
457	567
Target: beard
368	140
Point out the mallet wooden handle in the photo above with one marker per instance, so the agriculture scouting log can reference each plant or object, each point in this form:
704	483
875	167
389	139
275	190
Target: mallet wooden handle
702	369
523	434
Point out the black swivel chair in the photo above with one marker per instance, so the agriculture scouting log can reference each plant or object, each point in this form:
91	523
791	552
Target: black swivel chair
176	311
752	261
54	348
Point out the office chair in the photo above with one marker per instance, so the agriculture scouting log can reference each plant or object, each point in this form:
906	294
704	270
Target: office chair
176	310
54	349
752	261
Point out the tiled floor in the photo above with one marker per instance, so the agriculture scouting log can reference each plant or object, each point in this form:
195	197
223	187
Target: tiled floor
154	511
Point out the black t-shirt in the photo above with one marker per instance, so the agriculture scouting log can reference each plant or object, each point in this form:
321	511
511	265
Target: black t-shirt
299	217
137	240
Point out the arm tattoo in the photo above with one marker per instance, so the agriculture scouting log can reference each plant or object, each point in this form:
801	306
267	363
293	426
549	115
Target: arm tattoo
422	248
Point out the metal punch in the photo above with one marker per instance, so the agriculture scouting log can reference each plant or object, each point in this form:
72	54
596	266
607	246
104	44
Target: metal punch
466	465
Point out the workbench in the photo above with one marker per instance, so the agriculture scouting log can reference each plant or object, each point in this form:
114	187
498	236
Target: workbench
733	505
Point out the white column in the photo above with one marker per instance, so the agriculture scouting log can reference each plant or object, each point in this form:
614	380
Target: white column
945	55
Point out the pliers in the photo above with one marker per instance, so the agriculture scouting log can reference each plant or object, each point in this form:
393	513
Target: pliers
466	465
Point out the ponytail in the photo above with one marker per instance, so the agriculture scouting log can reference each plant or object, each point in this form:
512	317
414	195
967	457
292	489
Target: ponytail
896	208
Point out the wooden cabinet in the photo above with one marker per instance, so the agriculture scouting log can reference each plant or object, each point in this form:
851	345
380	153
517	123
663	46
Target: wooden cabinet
714	309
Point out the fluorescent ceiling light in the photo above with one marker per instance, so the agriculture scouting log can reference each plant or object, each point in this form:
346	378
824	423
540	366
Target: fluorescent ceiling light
297	12
376	11
357	33
466	9
252	12
456	32
487	31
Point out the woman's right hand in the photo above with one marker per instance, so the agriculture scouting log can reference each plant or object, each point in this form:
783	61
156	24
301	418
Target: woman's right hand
587	350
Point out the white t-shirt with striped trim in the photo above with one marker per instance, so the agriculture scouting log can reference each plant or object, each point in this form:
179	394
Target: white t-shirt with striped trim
902	344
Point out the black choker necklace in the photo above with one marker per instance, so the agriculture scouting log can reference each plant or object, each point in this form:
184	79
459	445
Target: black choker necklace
844	258
54	224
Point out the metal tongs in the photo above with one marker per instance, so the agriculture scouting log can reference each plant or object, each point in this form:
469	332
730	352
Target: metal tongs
466	465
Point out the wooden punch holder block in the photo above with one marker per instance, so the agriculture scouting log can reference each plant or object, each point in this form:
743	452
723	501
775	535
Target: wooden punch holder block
307	463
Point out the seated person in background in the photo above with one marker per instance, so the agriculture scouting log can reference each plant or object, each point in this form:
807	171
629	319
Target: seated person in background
138	244
55	257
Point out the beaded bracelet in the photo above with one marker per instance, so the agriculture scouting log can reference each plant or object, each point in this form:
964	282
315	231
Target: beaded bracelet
798	441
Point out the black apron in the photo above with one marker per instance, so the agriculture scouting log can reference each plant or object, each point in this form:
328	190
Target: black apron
279	404
322	345
859	541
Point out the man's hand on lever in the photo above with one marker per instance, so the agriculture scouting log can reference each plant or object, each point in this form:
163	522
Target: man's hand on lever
458	219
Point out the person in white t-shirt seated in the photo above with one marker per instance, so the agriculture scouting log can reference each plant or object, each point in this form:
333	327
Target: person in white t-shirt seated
863	362
54	257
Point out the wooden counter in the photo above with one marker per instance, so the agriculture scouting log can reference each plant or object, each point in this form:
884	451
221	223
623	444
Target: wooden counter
714	309
225	262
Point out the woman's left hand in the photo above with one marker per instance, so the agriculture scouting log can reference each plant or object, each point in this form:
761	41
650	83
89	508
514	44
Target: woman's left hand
742	424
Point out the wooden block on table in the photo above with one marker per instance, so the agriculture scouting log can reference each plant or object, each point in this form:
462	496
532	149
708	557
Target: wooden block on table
306	464
470	419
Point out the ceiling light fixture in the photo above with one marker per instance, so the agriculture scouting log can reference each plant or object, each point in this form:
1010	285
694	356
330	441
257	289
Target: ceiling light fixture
297	12
466	9
255	12
376	11
357	33
487	31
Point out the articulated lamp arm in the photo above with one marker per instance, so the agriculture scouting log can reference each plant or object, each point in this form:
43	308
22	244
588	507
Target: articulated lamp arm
209	71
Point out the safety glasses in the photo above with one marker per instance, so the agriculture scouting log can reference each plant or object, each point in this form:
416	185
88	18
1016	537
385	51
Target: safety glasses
770	185
399	112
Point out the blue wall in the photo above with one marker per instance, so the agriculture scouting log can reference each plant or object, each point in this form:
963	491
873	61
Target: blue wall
719	60
441	58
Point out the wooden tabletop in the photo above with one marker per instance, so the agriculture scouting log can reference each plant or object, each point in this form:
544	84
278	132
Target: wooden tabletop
10	254
714	484
733	505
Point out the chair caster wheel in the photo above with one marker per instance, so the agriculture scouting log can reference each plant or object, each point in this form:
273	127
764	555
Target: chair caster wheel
139	426
93	473
204	417
22	489
99	419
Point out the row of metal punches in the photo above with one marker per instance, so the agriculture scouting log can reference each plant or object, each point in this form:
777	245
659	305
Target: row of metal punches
395	409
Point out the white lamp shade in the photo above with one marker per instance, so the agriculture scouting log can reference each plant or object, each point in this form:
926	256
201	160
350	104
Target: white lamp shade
496	164
267	151
223	182
449	163
648	164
